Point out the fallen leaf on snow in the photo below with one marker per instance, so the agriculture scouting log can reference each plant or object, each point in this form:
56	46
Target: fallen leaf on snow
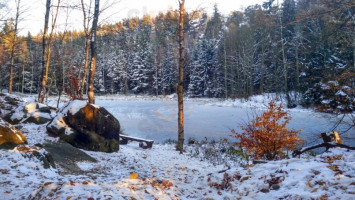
133	175
309	184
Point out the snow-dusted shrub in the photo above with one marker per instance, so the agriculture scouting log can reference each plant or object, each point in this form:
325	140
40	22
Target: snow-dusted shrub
216	152
330	97
267	136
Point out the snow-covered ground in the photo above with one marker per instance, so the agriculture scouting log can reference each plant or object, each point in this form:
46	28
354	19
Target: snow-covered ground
163	173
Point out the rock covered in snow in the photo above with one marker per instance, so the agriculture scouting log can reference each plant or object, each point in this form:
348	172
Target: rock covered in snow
30	113
38	118
9	135
86	126
37	152
67	156
12	100
15	116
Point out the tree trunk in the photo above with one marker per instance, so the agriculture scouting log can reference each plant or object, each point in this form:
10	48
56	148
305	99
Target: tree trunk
13	46
262	70
61	83
23	78
32	71
46	50
297	69
87	48
42	89
93	53
225	67
284	63
156	76
180	92
297	45
11	74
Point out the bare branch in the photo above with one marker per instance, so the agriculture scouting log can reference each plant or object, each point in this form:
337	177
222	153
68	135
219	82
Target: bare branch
326	145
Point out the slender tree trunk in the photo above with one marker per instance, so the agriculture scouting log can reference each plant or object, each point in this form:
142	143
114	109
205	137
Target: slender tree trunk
156	76
262	70
180	89
225	68
297	70
11	74
125	79
83	80
87	48
13	46
103	79
298	87
284	63
50	86
18	81
23	78
61	84
32	71
42	89
46	50
93	53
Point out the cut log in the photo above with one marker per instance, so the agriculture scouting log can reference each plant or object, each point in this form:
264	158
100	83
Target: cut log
326	145
143	143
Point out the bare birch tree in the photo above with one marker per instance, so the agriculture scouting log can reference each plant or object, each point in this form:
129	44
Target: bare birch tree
93	53
86	21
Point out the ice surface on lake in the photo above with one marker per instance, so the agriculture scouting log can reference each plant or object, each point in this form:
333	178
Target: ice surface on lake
157	120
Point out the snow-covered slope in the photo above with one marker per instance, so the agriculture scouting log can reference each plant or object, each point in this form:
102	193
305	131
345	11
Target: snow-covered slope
163	173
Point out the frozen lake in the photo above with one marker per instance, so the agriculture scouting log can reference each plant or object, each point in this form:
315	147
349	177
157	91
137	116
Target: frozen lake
157	120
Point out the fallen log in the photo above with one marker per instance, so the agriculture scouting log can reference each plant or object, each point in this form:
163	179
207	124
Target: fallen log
326	145
143	143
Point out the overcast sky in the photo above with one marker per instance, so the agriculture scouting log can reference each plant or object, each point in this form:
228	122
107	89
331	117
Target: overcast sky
34	16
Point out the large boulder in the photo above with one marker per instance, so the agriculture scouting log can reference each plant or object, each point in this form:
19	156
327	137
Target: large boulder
86	126
9	135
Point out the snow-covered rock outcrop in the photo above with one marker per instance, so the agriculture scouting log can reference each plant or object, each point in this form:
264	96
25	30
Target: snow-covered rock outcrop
30	113
86	126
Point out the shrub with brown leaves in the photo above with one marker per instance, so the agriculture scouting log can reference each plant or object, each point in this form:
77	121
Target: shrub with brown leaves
267	136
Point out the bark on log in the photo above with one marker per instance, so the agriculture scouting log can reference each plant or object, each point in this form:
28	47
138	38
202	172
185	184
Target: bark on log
326	145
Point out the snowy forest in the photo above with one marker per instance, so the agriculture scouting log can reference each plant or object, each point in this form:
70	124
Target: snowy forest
302	49
190	103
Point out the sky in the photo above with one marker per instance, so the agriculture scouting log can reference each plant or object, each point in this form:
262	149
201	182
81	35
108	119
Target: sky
119	9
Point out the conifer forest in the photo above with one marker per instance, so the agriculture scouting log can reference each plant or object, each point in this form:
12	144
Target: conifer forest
303	49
